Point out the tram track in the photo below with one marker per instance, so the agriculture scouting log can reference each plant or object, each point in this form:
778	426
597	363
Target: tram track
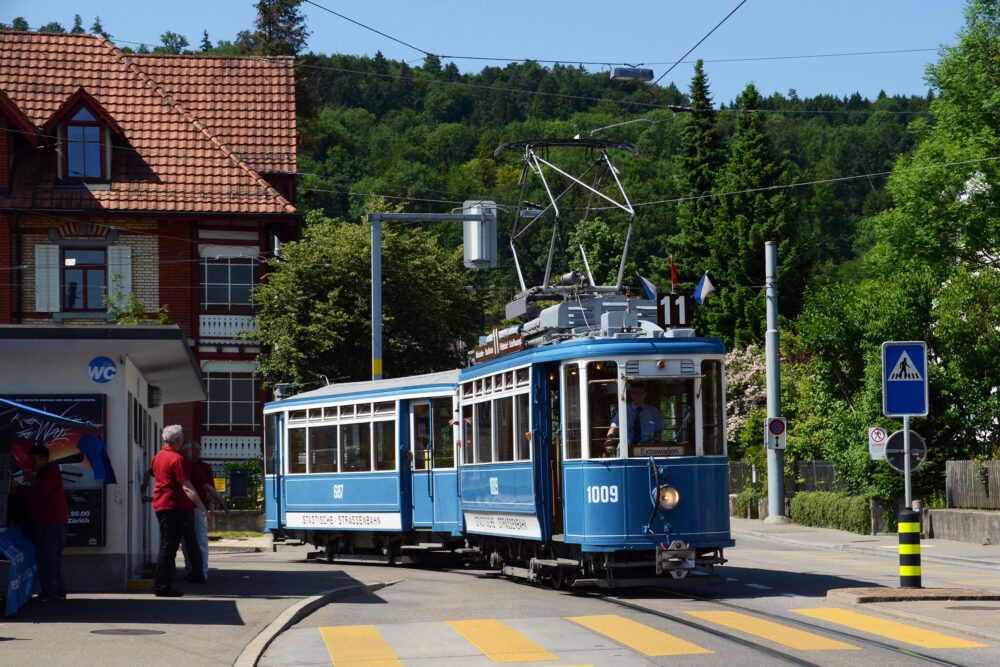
777	618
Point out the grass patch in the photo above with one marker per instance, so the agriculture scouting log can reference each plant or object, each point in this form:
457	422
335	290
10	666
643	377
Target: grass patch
234	534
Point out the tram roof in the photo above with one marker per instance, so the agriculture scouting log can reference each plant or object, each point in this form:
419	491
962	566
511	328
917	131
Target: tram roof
373	388
598	347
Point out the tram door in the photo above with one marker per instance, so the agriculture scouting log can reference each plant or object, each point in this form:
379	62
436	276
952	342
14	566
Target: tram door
432	448
422	462
555	448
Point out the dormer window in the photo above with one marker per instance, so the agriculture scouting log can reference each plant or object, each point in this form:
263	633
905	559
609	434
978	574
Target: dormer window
84	147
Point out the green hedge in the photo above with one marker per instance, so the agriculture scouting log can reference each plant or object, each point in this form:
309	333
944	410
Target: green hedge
832	510
748	497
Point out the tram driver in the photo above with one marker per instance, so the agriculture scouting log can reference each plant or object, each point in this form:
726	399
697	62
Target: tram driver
645	422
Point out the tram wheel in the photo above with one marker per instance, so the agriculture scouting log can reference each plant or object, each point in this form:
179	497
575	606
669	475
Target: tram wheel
558	580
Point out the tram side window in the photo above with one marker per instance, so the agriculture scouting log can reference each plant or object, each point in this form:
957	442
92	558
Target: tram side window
505	428
602	399
385	445
712	407
444	445
323	449
296	450
521	436
356	447
484	432
572	427
467	455
421	436
269	424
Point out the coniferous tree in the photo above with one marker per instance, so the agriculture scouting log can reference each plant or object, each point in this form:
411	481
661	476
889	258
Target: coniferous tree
281	28
206	43
77	24
745	219
98	29
699	160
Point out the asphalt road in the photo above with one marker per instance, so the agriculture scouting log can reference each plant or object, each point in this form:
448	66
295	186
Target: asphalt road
771	608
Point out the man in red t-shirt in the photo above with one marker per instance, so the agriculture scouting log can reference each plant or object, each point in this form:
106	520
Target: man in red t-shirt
174	499
49	514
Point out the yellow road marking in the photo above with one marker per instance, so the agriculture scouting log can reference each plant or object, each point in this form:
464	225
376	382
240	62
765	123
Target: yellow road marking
991	582
775	632
637	636
909	634
351	645
500	642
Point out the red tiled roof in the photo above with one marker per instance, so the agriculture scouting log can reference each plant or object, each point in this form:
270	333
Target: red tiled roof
198	131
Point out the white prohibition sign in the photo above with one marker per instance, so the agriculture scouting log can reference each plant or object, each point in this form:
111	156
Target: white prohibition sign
877	435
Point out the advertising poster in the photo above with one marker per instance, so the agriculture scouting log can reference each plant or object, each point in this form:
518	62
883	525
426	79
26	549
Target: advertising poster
78	448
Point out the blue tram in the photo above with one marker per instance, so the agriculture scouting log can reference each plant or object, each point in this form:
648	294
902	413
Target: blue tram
519	459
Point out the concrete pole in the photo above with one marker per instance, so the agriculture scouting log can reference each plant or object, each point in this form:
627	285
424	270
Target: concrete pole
775	457
376	221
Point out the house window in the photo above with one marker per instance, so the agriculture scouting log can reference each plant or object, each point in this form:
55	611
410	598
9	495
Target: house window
226	283
84	150
233	402
84	272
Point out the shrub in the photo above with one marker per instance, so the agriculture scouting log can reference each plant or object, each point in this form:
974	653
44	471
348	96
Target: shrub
746	498
832	510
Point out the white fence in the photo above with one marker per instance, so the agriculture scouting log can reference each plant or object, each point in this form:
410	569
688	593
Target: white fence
225	328
230	447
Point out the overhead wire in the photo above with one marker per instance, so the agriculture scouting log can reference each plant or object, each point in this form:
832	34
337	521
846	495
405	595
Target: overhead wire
742	2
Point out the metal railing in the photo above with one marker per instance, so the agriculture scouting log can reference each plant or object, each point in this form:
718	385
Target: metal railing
230	447
225	328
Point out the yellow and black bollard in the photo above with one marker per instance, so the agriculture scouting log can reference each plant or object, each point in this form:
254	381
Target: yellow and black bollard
909	549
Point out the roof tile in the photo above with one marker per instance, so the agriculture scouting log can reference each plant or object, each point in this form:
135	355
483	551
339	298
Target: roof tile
198	131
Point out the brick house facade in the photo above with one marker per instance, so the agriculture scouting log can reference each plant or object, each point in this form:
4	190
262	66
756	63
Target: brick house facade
166	178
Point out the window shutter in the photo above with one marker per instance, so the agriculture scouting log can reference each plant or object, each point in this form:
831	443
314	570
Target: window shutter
119	264
47	279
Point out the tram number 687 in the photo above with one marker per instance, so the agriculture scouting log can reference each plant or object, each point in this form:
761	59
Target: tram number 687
602	494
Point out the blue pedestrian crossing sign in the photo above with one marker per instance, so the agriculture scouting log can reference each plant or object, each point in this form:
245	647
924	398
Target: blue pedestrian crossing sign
904	378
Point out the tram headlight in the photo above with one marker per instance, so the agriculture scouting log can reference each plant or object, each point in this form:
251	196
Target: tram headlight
667	497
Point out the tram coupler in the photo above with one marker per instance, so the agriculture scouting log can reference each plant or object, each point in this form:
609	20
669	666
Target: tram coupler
678	556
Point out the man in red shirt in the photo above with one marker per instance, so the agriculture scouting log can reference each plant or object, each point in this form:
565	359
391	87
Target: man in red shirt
174	500
49	515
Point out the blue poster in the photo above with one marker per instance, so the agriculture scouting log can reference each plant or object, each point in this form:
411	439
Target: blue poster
23	568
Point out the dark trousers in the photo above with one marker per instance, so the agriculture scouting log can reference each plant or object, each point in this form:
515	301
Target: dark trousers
49	543
175	525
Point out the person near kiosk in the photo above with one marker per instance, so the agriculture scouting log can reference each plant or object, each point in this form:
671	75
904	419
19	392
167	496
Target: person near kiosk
174	499
203	480
49	515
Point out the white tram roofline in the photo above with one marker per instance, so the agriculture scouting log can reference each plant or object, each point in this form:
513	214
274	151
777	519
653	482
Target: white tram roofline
372	389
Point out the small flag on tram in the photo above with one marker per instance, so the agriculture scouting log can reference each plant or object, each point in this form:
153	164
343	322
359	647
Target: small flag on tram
650	287
704	288
673	272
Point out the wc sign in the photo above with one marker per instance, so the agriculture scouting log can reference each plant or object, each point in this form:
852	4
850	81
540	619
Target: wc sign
102	369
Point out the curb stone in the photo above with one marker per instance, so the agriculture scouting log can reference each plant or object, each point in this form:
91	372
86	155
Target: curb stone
253	651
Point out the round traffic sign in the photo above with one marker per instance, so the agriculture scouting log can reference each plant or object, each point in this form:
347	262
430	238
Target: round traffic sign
894	451
777	426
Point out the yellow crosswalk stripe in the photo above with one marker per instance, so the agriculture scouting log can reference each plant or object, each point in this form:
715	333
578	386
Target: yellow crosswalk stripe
500	642
775	632
909	634
358	645
637	636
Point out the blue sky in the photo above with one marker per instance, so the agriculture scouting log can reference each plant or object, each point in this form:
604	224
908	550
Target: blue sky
776	44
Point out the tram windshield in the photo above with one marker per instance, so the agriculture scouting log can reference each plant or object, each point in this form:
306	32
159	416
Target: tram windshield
671	409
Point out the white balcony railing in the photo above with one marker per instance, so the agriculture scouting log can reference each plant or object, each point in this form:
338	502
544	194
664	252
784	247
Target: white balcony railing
230	447
225	328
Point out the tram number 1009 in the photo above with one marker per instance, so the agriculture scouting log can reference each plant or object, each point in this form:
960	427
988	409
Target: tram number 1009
602	494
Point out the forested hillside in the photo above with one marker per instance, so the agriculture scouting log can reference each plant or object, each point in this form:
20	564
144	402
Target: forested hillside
426	135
